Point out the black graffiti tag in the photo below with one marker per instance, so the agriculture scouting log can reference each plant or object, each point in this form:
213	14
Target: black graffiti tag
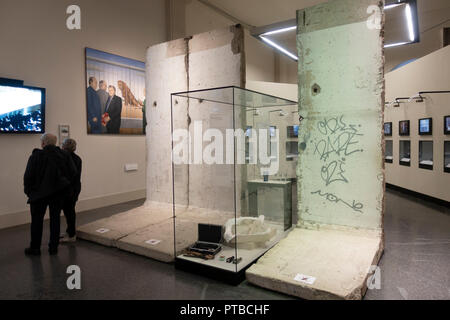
356	206
333	172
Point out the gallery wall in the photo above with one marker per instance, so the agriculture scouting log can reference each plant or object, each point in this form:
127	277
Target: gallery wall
430	73
39	49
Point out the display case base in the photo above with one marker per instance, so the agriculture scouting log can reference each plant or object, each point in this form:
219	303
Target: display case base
232	278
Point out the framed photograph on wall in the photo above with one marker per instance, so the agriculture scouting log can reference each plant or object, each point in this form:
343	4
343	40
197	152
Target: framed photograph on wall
388	129
447	125
115	94
403	128
426	126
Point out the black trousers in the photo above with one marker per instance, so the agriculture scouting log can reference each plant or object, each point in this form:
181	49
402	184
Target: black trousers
69	213
38	209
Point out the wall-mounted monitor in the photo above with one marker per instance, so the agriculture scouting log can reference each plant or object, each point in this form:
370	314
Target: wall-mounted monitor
11	82
248	132
22	109
447	125
292	131
425	126
388	129
403	128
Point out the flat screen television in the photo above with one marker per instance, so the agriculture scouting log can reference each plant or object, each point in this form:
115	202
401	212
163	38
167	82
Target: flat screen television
388	129
403	128
426	126
22	109
292	131
447	125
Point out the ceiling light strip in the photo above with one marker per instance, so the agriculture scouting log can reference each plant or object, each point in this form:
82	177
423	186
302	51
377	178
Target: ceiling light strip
280	48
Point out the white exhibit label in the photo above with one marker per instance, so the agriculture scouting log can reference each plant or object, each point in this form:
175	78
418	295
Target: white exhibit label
153	242
102	230
305	279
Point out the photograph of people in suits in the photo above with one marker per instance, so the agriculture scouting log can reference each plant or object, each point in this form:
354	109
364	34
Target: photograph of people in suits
103	95
115	94
112	116
93	107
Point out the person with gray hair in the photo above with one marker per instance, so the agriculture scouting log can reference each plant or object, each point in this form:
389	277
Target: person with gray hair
70	145
47	181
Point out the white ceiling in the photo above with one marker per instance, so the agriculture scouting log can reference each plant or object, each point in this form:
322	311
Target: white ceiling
264	12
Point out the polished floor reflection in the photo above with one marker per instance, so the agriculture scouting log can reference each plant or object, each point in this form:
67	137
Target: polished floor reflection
415	264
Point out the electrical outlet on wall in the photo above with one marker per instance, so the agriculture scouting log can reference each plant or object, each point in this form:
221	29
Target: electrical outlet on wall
131	167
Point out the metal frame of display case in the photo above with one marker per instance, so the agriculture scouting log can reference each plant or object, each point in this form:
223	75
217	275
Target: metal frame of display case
237	276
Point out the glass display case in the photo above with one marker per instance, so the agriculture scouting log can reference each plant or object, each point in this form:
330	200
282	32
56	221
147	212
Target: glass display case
232	187
447	156
426	155
389	152
405	153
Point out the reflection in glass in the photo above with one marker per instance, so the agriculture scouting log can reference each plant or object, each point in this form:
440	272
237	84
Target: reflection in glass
426	155
232	196
389	157
405	153
447	156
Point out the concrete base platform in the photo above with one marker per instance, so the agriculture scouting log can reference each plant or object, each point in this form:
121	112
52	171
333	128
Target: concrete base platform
149	230
107	231
157	241
319	264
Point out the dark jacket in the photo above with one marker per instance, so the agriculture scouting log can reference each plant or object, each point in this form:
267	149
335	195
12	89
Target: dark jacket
114	110
76	182
49	171
94	110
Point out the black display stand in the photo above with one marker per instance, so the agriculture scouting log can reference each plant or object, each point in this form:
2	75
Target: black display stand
232	278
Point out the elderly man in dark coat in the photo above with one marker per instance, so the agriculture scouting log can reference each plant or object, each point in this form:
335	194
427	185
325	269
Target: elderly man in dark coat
47	182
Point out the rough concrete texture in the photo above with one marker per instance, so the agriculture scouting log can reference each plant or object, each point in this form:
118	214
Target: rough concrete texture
121	225
208	60
340	260
186	228
340	173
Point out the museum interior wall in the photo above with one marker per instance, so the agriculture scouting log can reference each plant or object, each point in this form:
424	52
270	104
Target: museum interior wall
263	64
39	49
433	17
430	73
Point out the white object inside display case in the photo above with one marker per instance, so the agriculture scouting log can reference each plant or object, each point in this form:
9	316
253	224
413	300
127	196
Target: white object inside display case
248	230
427	162
389	157
406	160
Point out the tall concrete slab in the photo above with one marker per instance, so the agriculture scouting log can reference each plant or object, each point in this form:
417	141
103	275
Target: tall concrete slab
339	236
208	60
341	97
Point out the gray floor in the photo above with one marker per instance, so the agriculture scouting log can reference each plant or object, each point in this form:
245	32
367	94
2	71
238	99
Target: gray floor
415	265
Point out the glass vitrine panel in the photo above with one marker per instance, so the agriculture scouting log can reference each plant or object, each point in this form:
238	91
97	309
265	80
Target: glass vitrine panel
426	155
232	189
389	152
405	153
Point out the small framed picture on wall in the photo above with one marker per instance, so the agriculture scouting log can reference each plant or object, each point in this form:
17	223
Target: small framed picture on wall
388	129
403	128
447	125
426	126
